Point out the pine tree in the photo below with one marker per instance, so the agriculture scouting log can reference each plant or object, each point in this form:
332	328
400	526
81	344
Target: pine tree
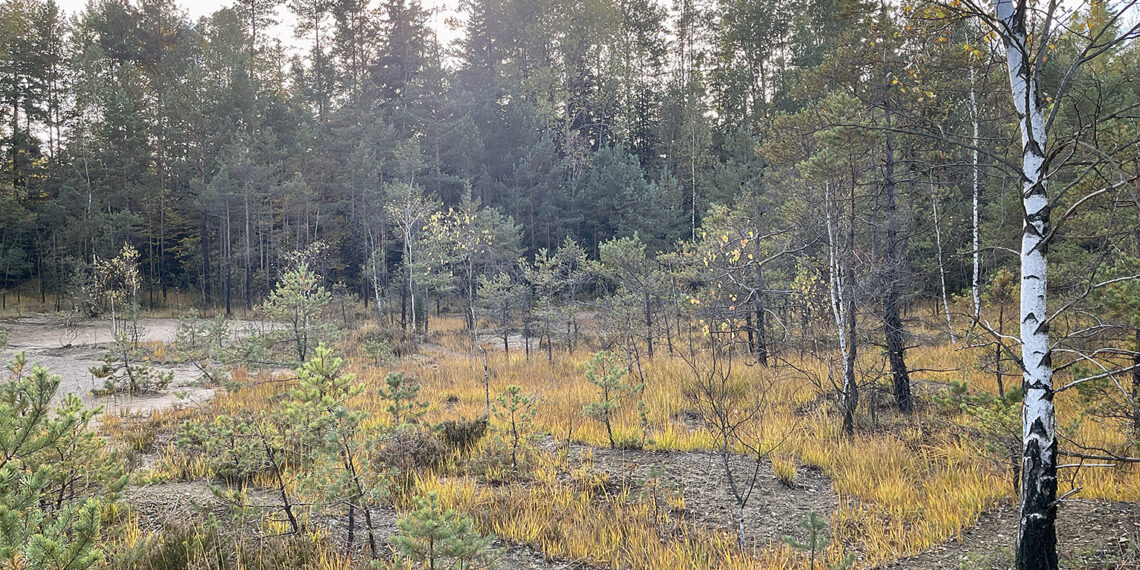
442	538
402	393
299	301
514	410
55	478
604	372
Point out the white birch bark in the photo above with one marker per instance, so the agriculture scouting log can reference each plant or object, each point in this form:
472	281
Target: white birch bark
835	277
975	284
841	308
1037	536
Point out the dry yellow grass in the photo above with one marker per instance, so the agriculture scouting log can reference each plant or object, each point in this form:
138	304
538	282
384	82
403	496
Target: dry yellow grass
914	482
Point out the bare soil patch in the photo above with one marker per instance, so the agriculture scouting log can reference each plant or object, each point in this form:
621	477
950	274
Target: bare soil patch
1090	534
773	511
70	348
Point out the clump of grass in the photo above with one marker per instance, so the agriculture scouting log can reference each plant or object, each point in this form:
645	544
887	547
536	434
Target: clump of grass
784	468
206	546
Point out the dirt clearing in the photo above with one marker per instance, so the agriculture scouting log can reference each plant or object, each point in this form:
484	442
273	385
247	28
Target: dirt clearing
70	348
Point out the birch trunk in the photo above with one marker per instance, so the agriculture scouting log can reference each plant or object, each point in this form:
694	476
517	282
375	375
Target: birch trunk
1037	533
975	282
841	308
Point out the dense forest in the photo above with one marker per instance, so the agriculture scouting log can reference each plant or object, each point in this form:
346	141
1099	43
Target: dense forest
885	201
215	154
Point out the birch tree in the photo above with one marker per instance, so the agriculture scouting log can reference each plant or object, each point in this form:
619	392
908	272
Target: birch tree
1027	40
409	208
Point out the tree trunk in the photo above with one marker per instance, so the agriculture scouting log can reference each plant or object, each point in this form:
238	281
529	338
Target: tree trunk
649	324
942	267
205	243
248	279
760	325
892	322
1037	532
1136	384
997	351
975	281
841	294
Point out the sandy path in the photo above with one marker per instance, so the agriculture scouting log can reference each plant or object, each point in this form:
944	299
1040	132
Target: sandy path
70	351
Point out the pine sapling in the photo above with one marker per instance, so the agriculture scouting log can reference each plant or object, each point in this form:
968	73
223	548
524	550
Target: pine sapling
604	372
441	538
515	411
817	540
323	421
402	393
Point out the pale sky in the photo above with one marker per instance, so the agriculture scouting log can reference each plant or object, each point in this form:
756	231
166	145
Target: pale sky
198	8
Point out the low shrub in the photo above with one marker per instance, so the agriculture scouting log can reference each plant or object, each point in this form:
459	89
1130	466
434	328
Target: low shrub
462	435
408	451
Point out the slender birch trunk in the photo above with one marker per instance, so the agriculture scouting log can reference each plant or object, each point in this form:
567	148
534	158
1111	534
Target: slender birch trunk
1037	532
842	303
975	282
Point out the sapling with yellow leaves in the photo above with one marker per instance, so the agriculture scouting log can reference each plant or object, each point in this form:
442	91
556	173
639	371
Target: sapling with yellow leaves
115	287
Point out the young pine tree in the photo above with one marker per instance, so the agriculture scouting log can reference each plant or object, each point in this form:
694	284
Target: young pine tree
402	394
605	373
324	422
439	538
298	302
55	477
514	410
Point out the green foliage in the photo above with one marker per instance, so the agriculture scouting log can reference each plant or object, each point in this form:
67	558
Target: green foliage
514	411
298	303
402	394
443	539
318	405
323	424
230	446
55	476
378	351
817	540
556	277
608	376
205	344
129	372
503	300
997	419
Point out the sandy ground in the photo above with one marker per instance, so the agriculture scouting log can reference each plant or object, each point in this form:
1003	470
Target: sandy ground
1090	534
70	350
772	512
